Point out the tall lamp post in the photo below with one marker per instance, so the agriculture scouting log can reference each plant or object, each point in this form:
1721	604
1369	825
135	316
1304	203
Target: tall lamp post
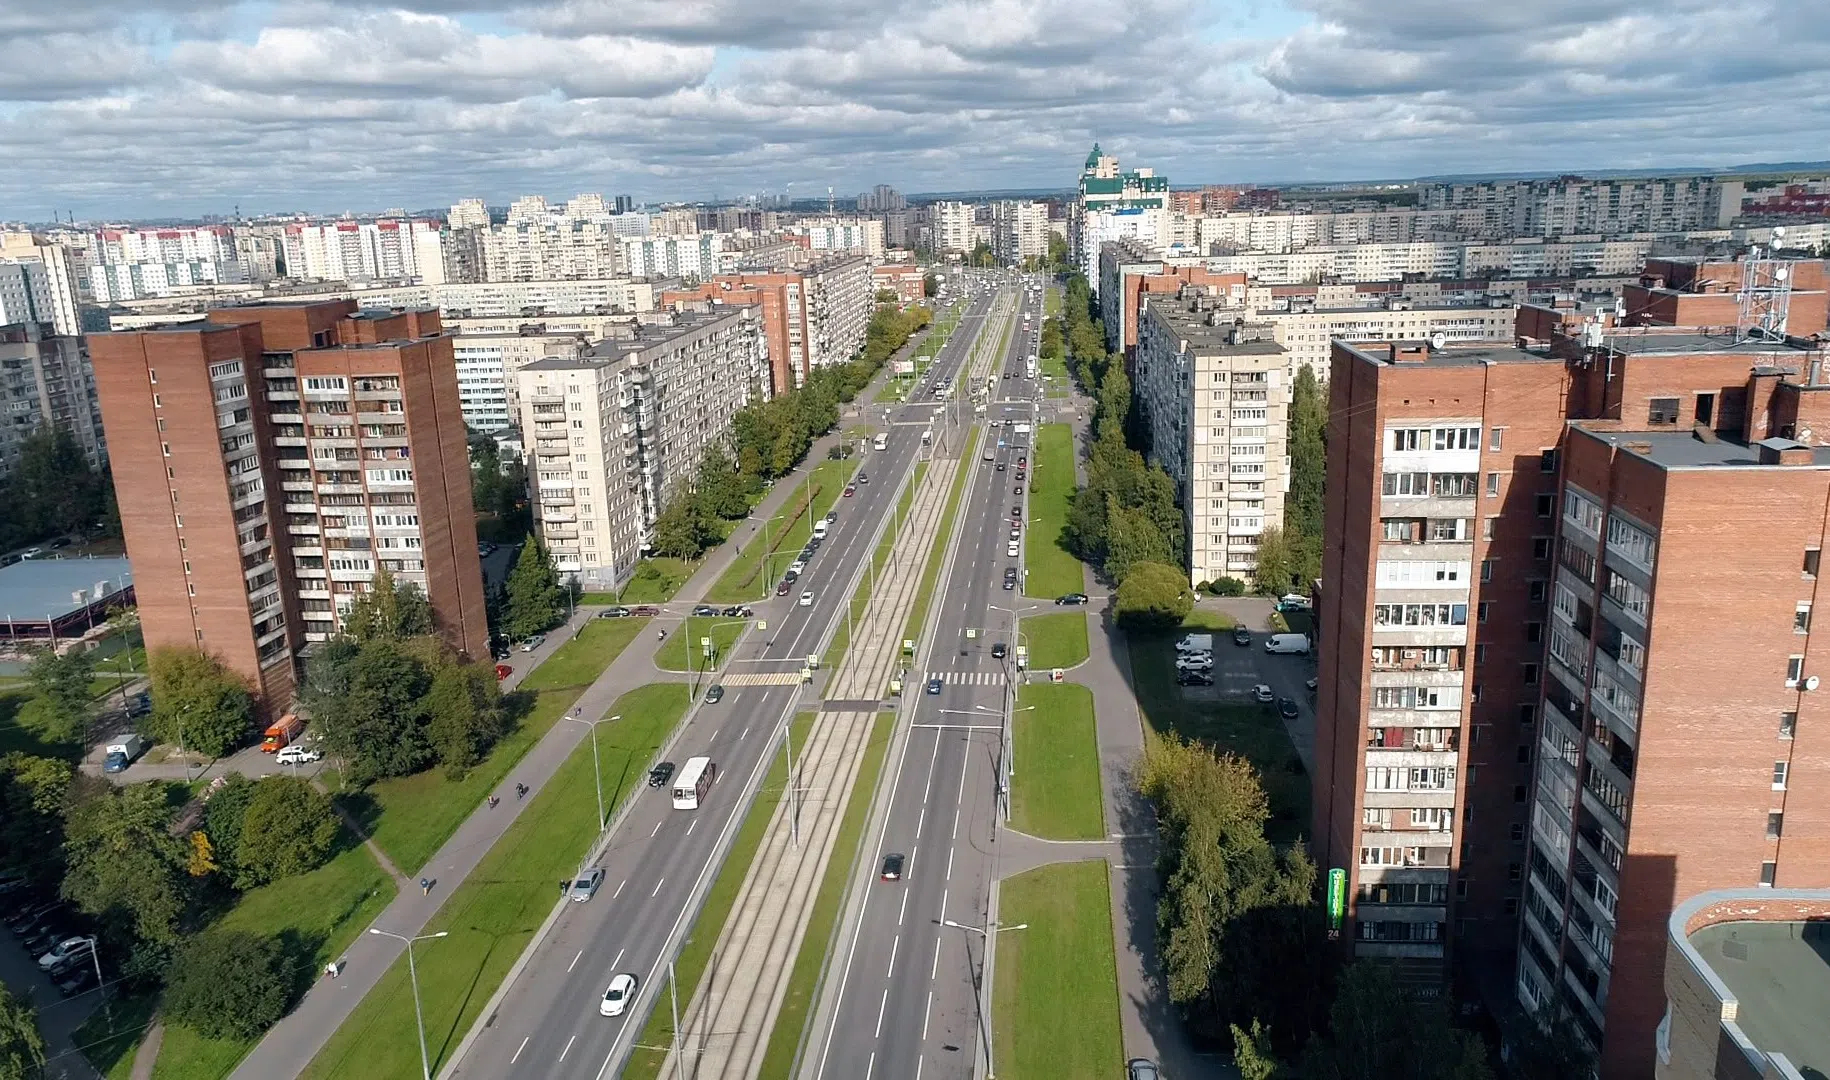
978	984
419	1017
597	769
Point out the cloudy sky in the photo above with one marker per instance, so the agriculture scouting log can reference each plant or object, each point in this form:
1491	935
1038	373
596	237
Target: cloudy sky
175	107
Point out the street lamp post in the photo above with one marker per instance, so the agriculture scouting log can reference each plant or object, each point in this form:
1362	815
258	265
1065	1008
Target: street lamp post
596	769
419	1017
978	984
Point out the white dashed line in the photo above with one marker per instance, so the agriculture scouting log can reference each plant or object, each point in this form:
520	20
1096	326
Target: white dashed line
881	1009
568	1049
657	889
895	945
520	1048
575	960
619	889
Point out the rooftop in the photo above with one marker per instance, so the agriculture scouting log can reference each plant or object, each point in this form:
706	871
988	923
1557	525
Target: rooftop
1670	449
1778	975
37	589
1455	354
1653	343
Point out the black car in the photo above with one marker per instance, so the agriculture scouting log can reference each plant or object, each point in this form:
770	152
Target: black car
892	867
1194	678
831	516
77	981
1071	599
705	611
614	611
998	652
1242	636
1286	708
661	774
1000	466
714	694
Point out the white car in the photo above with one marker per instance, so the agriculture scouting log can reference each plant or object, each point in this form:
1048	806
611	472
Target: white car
806	599
297	754
1196	662
63	950
1262	694
618	996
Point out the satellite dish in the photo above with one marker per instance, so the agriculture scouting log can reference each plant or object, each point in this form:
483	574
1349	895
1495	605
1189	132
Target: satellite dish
1780	273
1778	231
1438	340
1810	682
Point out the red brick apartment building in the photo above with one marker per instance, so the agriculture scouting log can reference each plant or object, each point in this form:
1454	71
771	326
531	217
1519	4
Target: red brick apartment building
782	296
1565	680
311	445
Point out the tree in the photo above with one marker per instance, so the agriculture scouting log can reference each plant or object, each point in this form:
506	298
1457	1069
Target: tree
198	701
888	296
229	984
124	866
368	701
1276	573
930	285
1057	251
289	829
1376	1032
1548	1046
682	529
464	714
1252	1054
485	475
52	490
1153	596
389	609
1308	471
59	709
202	862
535	600
21	1045
222	820
722	491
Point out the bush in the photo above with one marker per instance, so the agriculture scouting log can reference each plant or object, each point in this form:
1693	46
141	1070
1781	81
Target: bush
1153	596
1226	586
288	829
229	984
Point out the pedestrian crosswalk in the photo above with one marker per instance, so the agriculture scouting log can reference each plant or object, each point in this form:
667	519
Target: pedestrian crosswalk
968	678
762	678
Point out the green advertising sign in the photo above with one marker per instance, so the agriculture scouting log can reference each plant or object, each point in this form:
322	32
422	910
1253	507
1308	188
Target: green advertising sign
1337	897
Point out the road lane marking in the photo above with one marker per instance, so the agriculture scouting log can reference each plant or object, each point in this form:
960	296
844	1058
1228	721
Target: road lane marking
568	1049
619	957
927	1014
882	1008
657	889
934	972
657	828
921	821
619	889
520	1048
904	909
950	852
956	823
575	960
742	733
895	944
871	1065
691	827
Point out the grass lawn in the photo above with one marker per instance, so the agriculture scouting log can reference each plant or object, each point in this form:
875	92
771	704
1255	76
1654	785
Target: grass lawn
747	579
673	655
493	914
1052	568
317	915
108	1039
1051	301
1201	620
1250	730
581	660
1054	792
918	611
1056	641
656	580
1054	994
16	737
803	980
696	950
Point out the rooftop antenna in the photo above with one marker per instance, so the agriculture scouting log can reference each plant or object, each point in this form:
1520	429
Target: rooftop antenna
1765	298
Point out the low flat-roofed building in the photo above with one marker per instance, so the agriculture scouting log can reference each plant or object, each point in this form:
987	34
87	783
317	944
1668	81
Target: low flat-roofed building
51	599
1747	987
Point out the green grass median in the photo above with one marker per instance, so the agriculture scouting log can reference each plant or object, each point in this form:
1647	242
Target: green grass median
1054	789
1052	568
803	980
493	914
1054	1010
682	647
1056	641
696	950
581	660
768	549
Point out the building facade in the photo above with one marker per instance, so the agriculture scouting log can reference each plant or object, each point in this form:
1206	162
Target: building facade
362	251
313	446
128	264
952	224
488	360
1116	205
40	281
1019	231
46	381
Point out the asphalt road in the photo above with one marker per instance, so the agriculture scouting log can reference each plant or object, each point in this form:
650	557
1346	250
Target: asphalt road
661	860
906	1004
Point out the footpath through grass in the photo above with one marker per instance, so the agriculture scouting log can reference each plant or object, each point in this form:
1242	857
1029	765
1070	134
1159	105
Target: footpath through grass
1053	569
1054	1010
410	817
682	646
768	550
493	914
937	555
696	950
803	980
1056	641
1054	789
655	581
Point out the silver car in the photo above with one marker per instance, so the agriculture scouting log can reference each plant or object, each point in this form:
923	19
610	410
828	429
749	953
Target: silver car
587	884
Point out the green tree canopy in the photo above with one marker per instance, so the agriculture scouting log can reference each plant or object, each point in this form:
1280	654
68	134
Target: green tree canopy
59	708
199	701
1277	563
52	490
368	701
389	609
32	794
124	866
222	821
22	1054
229	984
1153	596
289	828
536	600
1377	1032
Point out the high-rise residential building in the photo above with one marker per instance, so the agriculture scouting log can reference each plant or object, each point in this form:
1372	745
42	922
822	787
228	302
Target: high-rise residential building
953	226
624	204
46	381
1536	552
468	214
505	299
811	318
612	433
1572	205
311	445
881	199
695	255
128	264
1019	230
487	362
42	278
546	247
906	279
848	235
1216	393
362	251
1116	205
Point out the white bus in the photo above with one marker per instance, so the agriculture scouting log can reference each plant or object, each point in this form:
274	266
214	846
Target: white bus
883	440
693	782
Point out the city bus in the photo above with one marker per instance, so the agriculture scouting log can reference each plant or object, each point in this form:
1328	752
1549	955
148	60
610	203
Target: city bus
693	782
883	440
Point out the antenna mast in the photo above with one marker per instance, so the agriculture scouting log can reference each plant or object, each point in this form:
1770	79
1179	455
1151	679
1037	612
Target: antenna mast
1766	293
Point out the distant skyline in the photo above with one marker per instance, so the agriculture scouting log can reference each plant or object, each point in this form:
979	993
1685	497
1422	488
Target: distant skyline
178	108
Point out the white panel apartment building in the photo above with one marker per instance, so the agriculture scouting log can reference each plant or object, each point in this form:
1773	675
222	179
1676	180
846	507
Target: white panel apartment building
611	432
1019	230
862	235
1217	396
366	251
506	299
1525	257
697	255
1116	205
45	273
129	264
1577	205
548	247
46	380
488	364
840	298
953	226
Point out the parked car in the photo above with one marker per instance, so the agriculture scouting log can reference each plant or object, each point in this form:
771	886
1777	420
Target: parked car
737	611
645	611
1196	662
661	774
1018	489
614	611
1192	677
705	611
714	694
1242	636
850	491
77	981
863	478
832	516
1016	513
782	589
70	946
1141	1069
617	995
298	754
1071	599
1262	694
892	867
533	643
503	671
585	886
1286	708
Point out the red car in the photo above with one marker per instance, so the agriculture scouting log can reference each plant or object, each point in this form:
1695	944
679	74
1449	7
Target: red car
503	671
645	611
850	490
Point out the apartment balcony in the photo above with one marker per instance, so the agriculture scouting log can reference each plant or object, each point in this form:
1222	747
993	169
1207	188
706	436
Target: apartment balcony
562	532
1413	718
1416	950
559	451
1433	799
1398	836
1422	675
1419	636
366	417
556	499
249	547
282	414
336	489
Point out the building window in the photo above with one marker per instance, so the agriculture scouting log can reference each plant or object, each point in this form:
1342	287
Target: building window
1534	632
1775	824
1495	438
1545	503
1811	555
1480	611
1662	410
1516	831
1531	674
1486	570
1547	461
1540	547
1795	669
1788	724
1480	654
1535	591
1769	872
1780	769
1518	793
1801	618
1514	872
1493	485
1487	527
1528	715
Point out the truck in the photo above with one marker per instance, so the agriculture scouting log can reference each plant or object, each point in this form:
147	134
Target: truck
1195	643
123	751
1287	643
1021	428
283	733
883	440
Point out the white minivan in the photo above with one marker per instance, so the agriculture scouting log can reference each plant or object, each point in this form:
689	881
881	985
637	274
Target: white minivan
1287	643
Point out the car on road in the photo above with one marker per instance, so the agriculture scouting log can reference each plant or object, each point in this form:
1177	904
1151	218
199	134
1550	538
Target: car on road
31	553
792	575
297	754
1010	579
850	491
807	599
1141	1069
586	885
661	774
892	867
1242	636
68	947
831	516
998	651
705	611
714	694
1192	677
864	478
1071	599
934	685
1262	694
60	542
533	643
617	995
645	611
782	589
1019	489
1286	708
1016	513
1022	460
1000	466
614	611
797	566
737	611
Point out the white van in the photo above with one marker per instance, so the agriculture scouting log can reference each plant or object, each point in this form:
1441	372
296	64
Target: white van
820	528
1287	643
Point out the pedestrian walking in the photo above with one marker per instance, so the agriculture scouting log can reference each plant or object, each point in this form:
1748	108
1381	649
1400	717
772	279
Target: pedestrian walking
425	887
